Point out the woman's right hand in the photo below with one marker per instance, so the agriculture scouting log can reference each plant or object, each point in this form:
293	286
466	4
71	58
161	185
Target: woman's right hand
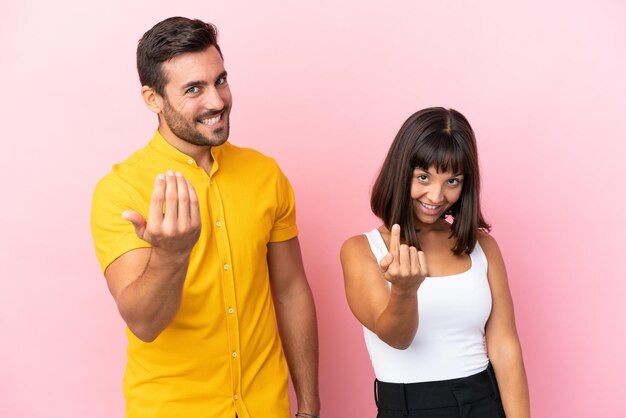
403	266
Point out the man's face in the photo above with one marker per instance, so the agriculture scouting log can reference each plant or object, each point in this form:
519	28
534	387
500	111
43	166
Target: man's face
197	99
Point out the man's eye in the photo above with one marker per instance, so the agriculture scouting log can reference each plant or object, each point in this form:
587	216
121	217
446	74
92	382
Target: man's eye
220	81
193	90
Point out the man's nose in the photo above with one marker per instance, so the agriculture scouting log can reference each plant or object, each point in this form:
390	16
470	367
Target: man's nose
213	100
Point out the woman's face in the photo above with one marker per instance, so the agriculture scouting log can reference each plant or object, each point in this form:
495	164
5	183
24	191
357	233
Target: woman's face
433	193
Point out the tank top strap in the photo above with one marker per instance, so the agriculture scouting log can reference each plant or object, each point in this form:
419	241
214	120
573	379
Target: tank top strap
478	257
377	244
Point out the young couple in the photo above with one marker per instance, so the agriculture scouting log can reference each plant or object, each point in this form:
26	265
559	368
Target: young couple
198	242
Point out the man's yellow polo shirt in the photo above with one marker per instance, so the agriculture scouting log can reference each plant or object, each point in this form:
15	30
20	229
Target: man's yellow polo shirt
222	354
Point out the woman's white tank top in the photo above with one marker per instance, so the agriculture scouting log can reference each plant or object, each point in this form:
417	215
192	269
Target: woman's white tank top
450	339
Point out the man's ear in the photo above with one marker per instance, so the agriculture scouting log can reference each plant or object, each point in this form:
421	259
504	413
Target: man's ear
152	99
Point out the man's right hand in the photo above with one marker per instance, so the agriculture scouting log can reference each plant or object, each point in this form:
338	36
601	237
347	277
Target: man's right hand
173	224
147	283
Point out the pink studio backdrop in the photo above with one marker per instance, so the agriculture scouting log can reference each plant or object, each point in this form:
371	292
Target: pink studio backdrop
323	88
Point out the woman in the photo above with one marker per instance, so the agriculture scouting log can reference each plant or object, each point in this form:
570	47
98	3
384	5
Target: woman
430	286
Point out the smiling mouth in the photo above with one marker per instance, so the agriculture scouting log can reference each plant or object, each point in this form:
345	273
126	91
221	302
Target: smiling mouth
211	121
430	207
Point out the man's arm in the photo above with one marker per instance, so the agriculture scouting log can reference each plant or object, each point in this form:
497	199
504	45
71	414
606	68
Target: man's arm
297	323
147	283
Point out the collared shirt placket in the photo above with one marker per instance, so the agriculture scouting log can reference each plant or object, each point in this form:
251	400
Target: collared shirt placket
218	224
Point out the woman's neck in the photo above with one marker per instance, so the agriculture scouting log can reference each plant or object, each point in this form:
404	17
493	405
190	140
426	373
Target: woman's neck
439	226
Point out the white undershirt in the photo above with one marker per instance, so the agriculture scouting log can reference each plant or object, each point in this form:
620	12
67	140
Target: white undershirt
450	339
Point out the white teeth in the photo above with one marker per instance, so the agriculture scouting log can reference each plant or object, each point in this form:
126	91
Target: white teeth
431	207
212	121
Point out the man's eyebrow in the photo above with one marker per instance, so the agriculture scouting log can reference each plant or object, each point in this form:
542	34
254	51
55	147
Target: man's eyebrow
194	83
202	82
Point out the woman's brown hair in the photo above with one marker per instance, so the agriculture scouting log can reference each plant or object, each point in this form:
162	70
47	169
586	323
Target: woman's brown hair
437	137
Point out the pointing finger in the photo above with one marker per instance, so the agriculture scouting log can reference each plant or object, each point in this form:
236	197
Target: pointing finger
394	242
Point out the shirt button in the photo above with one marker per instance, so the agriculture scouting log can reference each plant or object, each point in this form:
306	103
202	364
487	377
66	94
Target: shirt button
234	354
225	266
218	223
231	310
190	161
236	396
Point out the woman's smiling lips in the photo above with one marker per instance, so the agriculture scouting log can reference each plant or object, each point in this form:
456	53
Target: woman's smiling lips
430	209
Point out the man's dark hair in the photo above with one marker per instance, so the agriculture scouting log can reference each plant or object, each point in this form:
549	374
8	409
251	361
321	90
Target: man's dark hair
437	137
166	39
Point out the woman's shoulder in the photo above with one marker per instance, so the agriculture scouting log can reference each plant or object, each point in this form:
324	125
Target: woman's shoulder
353	242
357	245
486	240
489	246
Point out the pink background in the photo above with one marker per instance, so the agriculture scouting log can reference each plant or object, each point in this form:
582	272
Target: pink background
323	87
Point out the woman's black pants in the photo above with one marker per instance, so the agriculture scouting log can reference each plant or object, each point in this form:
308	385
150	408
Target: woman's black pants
475	396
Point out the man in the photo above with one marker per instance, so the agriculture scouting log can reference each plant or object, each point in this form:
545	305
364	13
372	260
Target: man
198	243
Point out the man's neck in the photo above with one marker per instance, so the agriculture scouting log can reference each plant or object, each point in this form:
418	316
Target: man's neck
200	153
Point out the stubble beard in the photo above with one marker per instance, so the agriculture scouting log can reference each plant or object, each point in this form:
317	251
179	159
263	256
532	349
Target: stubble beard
188	132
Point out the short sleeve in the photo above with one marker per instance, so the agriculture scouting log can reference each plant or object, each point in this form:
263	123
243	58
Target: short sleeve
113	235
285	227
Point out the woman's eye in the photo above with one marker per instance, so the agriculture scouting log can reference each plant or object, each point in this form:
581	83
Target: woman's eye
422	177
454	182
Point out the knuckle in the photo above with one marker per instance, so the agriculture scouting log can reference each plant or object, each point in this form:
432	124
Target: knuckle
168	231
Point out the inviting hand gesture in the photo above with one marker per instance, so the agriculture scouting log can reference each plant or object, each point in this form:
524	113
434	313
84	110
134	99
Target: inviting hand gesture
403	266
176	226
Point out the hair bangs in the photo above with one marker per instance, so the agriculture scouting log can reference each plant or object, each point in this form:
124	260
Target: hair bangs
442	152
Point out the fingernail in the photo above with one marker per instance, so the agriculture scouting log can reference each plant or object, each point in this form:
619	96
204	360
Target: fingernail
160	177
179	174
170	173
